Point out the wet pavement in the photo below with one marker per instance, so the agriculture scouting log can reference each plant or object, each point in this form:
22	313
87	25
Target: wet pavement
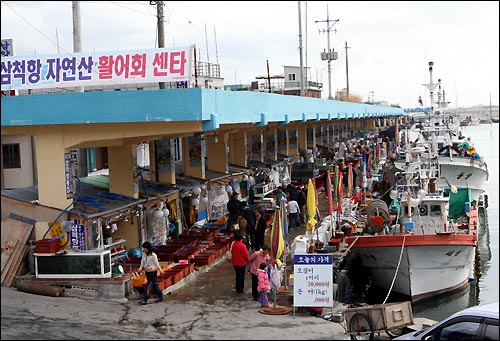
217	281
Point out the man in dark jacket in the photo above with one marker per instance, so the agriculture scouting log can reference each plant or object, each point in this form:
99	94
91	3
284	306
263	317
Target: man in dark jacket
249	215
260	228
301	200
233	207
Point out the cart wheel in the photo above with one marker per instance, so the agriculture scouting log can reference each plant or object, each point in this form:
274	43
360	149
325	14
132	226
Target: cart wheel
360	327
395	332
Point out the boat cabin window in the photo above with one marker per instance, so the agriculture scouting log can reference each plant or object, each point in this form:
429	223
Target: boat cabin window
413	211
436	210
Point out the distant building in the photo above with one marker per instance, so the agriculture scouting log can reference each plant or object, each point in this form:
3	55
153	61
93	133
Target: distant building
286	84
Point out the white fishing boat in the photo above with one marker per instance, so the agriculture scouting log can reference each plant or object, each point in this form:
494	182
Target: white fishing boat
423	254
439	132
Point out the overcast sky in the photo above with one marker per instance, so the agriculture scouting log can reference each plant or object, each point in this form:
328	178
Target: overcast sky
390	43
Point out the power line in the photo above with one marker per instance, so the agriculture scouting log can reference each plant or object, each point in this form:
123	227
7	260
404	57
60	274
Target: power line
246	29
133	10
49	39
32	26
178	24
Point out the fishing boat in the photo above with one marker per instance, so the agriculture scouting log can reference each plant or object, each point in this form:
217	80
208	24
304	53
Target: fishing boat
423	253
460	164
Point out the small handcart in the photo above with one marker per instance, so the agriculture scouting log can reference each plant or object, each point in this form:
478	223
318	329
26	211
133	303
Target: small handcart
363	321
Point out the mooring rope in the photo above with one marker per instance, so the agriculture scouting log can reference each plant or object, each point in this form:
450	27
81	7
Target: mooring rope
397	268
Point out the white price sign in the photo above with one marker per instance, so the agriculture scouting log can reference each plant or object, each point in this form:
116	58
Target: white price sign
313	280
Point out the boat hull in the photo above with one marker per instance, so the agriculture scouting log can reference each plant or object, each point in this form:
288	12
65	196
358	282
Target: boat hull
463	173
430	264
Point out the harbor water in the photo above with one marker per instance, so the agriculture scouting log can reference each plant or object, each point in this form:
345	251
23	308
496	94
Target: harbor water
486	289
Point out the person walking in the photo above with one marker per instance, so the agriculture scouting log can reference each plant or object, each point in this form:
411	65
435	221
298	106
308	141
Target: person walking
301	200
264	286
260	228
249	214
280	195
240	258
256	259
151	266
293	214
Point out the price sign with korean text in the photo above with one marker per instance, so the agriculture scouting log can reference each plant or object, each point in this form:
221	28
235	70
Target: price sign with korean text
313	280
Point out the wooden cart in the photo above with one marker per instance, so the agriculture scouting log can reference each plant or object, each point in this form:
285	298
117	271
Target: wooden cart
362	322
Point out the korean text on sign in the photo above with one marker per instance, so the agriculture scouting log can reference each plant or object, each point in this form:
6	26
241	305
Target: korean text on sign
313	280
97	68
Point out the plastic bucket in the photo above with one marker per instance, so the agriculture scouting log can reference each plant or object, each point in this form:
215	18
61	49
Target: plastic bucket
409	226
467	207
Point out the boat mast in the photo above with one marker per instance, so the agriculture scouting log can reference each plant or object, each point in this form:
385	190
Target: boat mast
491	115
431	87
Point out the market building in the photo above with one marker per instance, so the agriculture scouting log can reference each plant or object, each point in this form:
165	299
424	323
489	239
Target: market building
200	141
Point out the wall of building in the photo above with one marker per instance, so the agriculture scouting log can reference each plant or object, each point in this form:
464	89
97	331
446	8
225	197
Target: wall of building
20	177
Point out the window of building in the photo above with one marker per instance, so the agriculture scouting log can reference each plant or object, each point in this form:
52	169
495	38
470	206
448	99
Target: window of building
11	155
291	76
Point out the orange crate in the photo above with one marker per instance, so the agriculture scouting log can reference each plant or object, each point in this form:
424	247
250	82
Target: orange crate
47	246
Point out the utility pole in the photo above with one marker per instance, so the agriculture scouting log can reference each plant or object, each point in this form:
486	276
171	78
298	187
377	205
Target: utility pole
330	55
300	51
81	169
161	30
347	69
307	70
77	33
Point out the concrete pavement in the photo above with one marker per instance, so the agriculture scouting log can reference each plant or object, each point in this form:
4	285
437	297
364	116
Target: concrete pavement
202	306
206	307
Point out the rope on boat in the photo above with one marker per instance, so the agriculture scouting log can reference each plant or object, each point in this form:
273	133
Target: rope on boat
347	250
397	268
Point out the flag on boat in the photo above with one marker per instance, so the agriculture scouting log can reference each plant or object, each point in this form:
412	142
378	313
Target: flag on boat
328	188
349	180
340	188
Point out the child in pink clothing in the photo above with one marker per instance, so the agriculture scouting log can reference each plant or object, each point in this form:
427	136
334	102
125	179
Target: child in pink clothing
264	286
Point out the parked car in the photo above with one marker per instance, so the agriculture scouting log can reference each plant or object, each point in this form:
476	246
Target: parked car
474	323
